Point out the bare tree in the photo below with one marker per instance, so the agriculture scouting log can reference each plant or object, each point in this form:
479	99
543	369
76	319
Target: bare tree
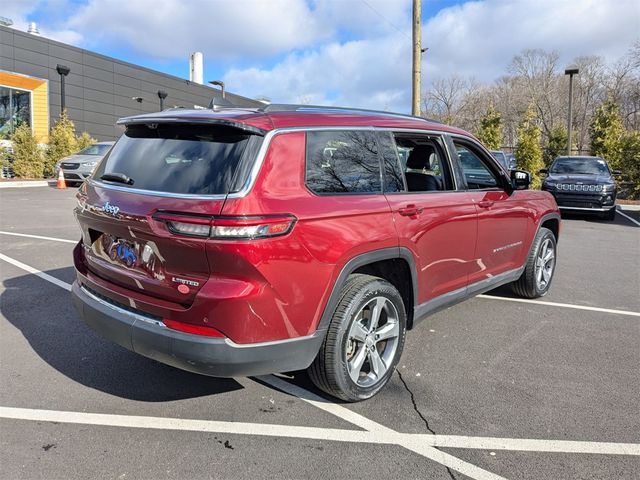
536	78
590	92
447	98
510	100
623	84
537	71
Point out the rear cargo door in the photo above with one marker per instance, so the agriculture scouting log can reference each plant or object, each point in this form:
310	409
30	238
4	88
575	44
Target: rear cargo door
145	215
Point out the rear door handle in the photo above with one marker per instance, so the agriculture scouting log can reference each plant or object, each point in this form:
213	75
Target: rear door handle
410	211
485	203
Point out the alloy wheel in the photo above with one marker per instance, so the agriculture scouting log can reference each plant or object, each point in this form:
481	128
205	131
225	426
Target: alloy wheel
372	341
545	263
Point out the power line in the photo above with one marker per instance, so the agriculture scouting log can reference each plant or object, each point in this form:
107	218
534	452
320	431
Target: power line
386	19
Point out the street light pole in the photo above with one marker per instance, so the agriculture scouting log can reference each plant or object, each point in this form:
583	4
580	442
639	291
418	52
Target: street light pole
162	95
571	71
417	51
220	84
63	71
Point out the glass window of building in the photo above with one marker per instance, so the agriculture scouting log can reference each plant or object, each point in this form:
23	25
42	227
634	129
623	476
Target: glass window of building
15	109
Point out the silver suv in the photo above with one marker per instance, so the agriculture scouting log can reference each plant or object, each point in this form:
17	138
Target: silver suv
79	166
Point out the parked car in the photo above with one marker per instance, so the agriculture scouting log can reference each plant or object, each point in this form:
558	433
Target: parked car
234	242
507	160
501	158
583	185
76	168
511	161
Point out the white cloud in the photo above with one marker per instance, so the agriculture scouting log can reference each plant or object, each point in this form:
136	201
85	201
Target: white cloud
476	39
343	52
19	10
171	29
364	73
480	38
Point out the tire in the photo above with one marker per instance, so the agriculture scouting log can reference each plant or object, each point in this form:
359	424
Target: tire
610	215
539	268
354	363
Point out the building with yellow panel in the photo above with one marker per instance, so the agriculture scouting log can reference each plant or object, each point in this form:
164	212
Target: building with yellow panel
98	89
24	99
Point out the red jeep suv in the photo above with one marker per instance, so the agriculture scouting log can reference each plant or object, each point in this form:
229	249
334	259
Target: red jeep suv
234	242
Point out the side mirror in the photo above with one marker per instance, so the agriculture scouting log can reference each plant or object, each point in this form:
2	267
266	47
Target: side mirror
616	172
544	171
520	179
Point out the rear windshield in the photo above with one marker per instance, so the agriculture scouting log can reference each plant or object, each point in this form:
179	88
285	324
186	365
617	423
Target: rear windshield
183	159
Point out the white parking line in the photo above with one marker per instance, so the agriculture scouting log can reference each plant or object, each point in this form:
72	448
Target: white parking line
628	217
39	237
319	402
42	275
164	423
412	441
535	445
563	305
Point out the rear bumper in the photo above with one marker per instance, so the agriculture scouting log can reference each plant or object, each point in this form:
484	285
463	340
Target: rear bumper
217	357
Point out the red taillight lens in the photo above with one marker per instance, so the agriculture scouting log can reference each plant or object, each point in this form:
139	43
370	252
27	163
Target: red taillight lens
228	228
193	329
192	225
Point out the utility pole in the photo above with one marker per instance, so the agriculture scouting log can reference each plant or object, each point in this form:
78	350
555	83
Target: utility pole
417	57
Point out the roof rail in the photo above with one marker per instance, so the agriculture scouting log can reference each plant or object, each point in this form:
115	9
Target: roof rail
285	107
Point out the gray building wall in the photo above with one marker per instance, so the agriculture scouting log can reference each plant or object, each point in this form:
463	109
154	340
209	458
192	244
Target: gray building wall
99	89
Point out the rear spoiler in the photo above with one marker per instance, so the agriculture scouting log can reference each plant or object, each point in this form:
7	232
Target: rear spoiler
150	120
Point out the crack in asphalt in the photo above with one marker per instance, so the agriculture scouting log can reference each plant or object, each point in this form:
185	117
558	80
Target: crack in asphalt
422	417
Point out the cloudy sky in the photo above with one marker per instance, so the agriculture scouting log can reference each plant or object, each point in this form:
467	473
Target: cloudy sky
342	52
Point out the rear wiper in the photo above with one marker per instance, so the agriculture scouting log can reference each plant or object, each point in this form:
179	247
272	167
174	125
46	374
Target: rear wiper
117	177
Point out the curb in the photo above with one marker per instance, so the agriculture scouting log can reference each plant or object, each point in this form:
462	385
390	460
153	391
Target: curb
27	183
630	208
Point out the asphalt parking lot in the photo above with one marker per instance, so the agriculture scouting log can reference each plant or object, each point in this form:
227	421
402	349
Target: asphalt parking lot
491	388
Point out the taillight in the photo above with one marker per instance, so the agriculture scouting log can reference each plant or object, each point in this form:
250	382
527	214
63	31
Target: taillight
192	329
192	225
227	228
251	227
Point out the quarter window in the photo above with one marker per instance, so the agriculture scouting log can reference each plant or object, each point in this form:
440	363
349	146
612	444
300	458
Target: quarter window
343	162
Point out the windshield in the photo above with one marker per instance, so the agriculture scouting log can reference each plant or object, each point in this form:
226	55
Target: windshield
95	150
580	166
178	158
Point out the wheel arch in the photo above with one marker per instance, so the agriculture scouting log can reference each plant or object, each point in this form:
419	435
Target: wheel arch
551	221
396	265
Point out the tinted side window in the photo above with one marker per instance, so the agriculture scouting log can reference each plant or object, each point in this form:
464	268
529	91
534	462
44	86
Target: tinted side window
425	166
343	162
477	175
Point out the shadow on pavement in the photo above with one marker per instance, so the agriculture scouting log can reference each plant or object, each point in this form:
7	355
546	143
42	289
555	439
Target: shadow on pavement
591	218
56	333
